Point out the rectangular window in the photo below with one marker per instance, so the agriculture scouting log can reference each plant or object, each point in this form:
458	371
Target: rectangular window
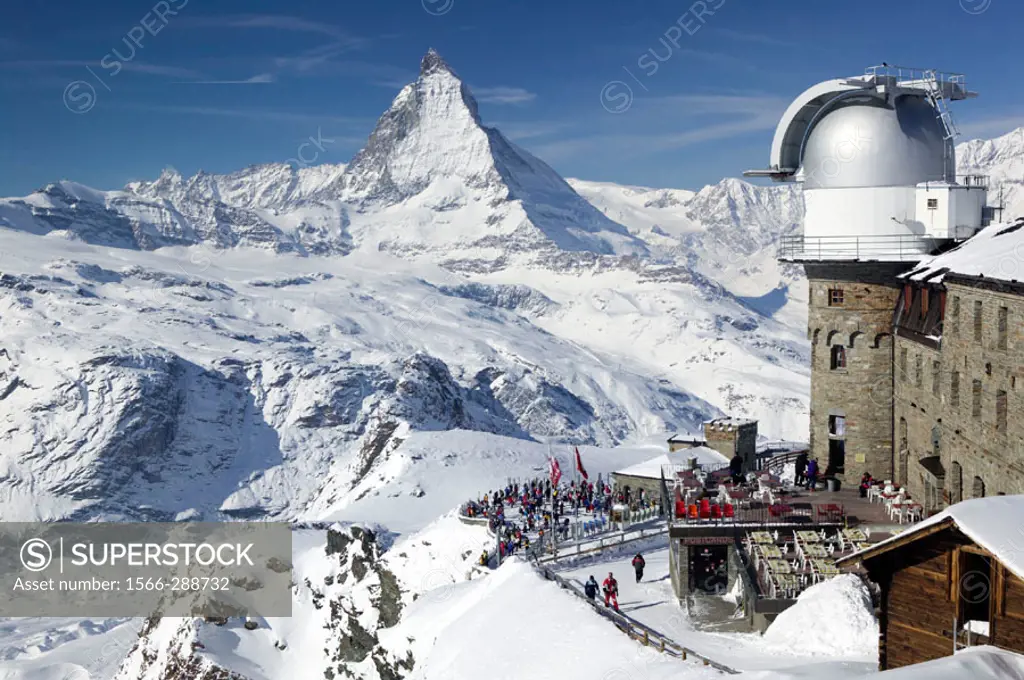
933	204
955	314
903	365
977	320
954	389
918	370
1001	412
976	399
936	377
835	297
1004	314
837	426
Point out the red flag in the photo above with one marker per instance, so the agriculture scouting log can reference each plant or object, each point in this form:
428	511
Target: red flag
556	472
579	464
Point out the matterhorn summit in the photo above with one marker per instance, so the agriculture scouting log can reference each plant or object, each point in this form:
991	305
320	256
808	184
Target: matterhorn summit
435	177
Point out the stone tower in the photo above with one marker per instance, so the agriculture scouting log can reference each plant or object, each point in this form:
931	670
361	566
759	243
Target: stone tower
849	324
874	155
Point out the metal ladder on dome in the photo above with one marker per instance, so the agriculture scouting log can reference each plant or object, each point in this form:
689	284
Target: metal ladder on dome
938	99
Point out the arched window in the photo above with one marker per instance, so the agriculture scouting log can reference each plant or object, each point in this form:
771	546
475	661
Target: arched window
882	340
904	461
838	357
978	488
903	434
956	483
854	337
831	337
814	336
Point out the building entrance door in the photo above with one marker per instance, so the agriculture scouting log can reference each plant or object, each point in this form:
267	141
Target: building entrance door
710	570
836	445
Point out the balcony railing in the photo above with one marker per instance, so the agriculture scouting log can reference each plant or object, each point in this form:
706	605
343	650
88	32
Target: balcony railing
880	248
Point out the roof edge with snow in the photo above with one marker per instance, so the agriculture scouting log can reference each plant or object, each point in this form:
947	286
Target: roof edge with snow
992	523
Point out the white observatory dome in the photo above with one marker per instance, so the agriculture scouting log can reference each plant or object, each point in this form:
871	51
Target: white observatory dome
874	154
865	142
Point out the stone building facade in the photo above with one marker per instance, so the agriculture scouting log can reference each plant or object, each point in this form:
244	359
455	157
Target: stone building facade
849	320
731	436
958	403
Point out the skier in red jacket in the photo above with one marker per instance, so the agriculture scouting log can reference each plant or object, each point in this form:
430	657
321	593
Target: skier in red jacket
611	591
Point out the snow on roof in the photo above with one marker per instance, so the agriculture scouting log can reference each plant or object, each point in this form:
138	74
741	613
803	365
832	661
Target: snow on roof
989	253
686	437
651	469
993	523
730	423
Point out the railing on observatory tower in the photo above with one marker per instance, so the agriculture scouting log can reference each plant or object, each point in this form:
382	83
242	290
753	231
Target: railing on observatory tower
878	248
953	83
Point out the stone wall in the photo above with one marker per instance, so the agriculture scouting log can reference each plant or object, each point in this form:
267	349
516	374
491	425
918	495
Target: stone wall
862	391
729	441
971	447
917	414
746	445
651	485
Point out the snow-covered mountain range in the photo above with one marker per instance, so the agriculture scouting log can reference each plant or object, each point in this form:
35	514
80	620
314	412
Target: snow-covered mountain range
1002	160
264	343
376	341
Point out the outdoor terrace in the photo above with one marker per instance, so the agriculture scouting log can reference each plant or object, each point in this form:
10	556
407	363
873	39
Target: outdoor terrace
705	498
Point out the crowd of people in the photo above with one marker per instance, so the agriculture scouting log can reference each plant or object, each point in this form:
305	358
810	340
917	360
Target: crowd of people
536	507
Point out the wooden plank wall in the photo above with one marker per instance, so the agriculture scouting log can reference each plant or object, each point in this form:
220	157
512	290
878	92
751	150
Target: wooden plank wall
1008	619
921	589
920	612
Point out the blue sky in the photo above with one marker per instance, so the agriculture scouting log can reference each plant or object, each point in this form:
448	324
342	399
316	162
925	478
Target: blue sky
107	92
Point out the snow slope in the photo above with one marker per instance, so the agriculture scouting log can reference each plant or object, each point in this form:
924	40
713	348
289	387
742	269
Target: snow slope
266	385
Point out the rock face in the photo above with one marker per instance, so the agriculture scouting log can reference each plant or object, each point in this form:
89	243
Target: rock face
348	596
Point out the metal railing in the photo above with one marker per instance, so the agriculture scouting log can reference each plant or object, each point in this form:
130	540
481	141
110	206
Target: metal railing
761	513
634	629
882	248
603	543
905	76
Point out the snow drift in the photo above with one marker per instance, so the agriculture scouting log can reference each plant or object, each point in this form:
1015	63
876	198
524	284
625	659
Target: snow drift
832	618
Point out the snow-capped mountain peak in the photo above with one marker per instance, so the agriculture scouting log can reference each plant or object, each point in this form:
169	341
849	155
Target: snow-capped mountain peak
432	130
432	61
430	153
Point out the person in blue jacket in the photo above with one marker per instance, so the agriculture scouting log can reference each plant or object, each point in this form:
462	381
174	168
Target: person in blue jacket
812	474
590	588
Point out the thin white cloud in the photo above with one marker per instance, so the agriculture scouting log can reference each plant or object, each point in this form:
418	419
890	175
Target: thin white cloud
756	38
252	114
278	22
339	41
722	59
261	78
713	118
530	129
127	66
503	95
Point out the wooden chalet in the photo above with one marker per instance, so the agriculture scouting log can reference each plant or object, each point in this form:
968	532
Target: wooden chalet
954	580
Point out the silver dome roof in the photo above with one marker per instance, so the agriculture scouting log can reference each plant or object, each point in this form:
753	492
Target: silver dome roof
864	142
